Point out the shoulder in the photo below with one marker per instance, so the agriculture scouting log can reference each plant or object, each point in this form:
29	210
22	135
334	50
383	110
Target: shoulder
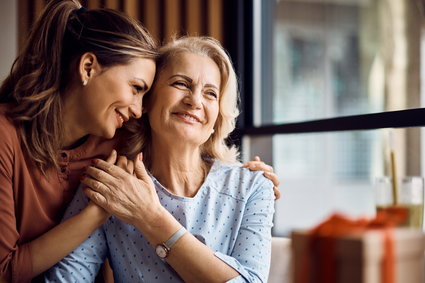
9	141
6	124
238	182
7	129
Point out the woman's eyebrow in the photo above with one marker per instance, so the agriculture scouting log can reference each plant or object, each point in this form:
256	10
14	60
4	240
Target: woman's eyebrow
190	80
212	86
182	76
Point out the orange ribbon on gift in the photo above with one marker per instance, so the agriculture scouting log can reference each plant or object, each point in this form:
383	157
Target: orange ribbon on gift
322	240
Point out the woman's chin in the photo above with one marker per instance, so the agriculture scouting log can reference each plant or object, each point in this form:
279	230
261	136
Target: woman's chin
108	134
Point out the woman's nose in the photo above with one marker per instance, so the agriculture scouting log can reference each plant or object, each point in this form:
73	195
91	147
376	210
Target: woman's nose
136	107
194	98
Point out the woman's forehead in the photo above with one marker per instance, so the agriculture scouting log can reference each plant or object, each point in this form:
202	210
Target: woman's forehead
192	64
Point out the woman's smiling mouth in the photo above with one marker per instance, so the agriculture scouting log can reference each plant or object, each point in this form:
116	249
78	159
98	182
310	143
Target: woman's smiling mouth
188	117
120	118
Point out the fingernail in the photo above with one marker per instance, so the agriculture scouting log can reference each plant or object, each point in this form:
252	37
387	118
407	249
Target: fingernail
141	156
94	161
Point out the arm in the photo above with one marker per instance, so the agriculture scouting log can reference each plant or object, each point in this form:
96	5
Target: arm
83	263
134	201
52	246
47	249
252	251
21	262
251	254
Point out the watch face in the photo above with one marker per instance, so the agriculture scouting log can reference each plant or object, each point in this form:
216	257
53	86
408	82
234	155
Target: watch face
161	251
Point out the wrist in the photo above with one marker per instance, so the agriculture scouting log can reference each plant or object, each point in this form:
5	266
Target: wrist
96	213
159	226
163	249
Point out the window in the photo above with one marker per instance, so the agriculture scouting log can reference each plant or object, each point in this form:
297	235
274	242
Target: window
328	77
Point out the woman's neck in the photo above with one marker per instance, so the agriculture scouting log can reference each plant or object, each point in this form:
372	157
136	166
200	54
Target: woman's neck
73	133
179	169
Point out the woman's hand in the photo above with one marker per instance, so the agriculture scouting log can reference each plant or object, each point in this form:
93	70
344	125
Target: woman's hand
127	193
256	165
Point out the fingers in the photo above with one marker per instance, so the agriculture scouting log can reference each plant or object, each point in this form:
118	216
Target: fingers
112	158
108	168
125	164
97	175
273	177
95	197
139	167
258	166
95	191
130	167
254	160
276	193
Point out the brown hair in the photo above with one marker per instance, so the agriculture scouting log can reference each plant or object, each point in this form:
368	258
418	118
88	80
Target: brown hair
216	146
48	62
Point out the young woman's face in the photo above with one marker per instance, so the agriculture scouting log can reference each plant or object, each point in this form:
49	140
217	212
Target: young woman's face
114	95
184	104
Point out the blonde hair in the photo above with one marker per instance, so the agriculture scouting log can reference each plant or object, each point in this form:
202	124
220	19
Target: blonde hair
48	63
216	146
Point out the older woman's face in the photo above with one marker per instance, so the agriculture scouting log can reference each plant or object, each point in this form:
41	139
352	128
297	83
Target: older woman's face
184	104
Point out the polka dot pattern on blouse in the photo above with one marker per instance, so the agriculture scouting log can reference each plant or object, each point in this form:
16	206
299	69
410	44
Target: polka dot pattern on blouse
231	213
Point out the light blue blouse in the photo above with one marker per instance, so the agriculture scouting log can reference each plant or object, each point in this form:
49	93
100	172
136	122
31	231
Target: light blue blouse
231	213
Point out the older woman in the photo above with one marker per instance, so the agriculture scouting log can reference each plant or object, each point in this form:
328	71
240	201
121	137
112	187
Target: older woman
198	216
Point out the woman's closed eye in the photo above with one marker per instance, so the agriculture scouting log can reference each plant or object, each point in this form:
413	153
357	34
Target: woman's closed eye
139	88
181	84
212	94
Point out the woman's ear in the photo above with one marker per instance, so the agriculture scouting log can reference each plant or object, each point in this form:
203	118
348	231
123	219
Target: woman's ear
88	67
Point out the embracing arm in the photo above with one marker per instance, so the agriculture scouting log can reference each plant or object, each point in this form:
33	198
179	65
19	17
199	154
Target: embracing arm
46	250
83	263
52	246
21	262
134	200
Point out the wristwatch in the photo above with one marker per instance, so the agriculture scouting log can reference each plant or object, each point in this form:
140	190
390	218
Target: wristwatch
162	250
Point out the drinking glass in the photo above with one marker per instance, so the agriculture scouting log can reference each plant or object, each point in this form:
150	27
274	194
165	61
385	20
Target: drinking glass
411	196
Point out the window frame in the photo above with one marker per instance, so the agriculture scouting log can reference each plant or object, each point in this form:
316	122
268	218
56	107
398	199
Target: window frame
240	26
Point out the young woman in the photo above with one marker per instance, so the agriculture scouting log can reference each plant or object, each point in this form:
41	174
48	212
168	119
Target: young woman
199	216
81	75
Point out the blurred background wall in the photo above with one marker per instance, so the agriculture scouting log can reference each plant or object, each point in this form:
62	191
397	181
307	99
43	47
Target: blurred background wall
9	32
163	18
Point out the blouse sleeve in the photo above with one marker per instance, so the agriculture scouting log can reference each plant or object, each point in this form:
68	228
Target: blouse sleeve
82	264
252	252
15	260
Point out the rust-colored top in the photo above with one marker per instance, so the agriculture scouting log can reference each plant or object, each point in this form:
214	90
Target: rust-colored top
31	203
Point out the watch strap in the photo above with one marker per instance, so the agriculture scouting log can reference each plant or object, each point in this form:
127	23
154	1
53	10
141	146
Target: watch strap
173	239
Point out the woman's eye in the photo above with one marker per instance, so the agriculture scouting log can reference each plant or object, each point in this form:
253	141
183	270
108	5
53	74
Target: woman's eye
212	94
181	84
138	88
